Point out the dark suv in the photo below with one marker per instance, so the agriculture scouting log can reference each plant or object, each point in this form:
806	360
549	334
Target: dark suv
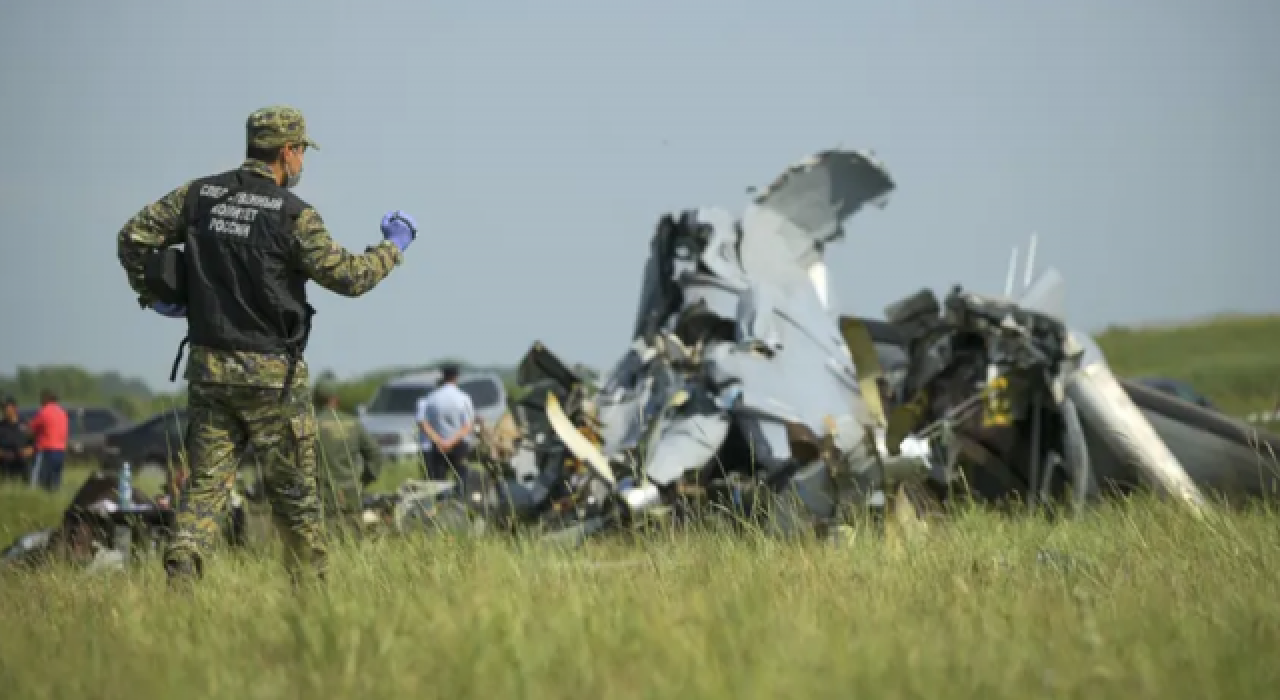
152	444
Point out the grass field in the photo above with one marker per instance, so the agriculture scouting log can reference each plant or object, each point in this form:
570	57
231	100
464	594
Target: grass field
1235	361
1132	600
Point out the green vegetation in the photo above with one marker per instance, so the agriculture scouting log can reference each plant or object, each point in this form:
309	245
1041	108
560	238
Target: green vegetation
1235	361
132	397
76	386
1232	360
1135	600
1132	600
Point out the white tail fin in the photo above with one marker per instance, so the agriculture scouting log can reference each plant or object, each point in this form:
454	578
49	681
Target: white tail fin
1013	273
1044	292
1031	263
1047	295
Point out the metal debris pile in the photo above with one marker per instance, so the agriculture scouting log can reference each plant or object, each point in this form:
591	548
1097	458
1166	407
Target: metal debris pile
742	393
738	390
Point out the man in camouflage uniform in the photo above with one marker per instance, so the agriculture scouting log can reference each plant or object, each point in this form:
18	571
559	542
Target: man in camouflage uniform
249	245
349	461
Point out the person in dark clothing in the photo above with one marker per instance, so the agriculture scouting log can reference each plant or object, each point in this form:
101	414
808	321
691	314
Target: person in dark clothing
16	445
230	256
349	461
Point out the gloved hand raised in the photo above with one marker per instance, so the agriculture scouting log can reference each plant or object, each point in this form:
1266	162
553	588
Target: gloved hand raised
398	227
170	310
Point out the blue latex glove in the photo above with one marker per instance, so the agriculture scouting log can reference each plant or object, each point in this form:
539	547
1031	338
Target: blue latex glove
398	227
170	310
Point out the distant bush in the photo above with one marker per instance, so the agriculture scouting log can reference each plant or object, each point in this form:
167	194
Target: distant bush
1235	361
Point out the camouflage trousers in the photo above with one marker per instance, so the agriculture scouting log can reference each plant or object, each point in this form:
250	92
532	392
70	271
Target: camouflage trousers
225	423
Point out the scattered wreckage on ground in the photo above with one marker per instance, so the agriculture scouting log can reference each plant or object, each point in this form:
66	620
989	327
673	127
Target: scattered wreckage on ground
743	396
739	395
96	533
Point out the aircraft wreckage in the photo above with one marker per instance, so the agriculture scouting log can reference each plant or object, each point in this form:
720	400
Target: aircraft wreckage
742	389
741	392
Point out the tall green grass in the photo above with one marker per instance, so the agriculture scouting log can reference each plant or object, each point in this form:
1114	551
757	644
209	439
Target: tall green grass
1133	600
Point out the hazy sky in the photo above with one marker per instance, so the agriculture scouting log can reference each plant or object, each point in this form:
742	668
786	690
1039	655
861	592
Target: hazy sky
538	143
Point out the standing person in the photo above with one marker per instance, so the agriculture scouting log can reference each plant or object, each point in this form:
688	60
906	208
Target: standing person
16	447
349	461
49	428
249	247
445	419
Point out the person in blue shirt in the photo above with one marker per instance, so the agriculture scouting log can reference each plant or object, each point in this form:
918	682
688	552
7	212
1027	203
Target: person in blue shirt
446	417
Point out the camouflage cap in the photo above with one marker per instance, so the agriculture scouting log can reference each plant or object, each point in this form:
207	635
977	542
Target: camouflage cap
271	127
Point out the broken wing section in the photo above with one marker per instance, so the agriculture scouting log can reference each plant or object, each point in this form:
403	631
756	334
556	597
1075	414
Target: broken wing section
807	205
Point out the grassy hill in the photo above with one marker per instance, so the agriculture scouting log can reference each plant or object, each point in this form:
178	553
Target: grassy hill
1234	360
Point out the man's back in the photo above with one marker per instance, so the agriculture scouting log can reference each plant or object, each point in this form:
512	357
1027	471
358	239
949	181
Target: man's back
447	410
241	249
314	256
49	427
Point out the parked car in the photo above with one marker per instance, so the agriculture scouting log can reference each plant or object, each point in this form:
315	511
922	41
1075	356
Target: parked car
1178	388
151	445
391	417
87	427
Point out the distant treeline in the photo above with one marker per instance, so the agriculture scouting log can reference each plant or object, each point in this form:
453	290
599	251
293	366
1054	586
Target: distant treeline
132	397
77	386
1235	361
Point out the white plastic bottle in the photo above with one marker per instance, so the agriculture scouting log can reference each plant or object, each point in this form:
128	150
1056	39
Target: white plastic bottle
125	488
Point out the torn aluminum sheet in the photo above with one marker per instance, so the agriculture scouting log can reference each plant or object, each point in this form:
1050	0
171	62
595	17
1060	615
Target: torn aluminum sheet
732	313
